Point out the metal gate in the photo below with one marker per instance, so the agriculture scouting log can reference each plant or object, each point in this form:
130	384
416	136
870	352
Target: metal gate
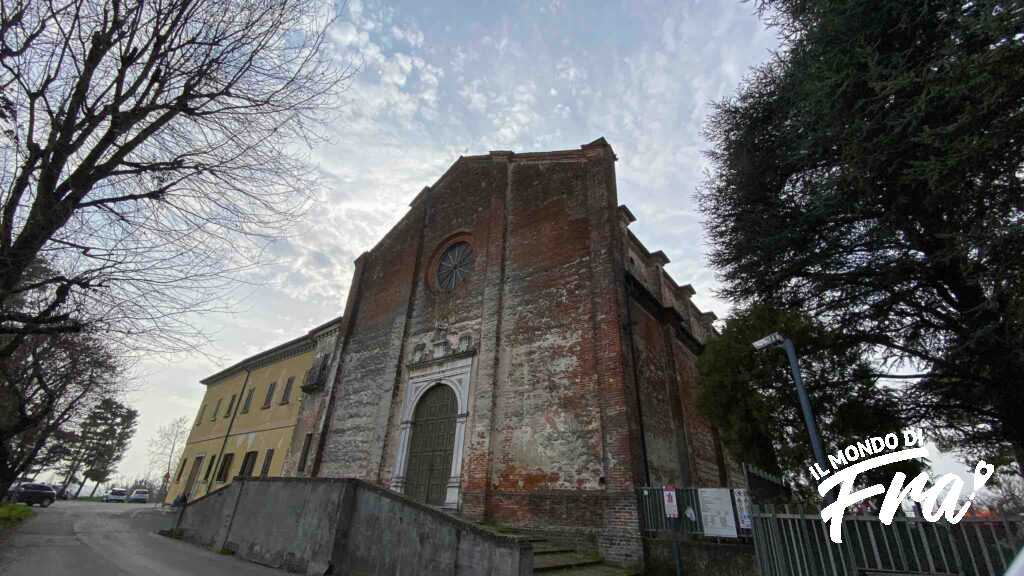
433	441
797	544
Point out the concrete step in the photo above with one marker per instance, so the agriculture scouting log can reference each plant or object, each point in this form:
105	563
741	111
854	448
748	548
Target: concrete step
552	559
558	560
545	547
589	570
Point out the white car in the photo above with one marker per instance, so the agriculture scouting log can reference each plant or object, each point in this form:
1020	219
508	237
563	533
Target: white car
116	495
139	495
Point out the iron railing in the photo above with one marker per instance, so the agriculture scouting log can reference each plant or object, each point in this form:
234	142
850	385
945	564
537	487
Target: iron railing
654	522
797	544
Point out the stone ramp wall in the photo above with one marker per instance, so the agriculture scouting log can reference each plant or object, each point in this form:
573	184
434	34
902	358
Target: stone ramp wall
346	526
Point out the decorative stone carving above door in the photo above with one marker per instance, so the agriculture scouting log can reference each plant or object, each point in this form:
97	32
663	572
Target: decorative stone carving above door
446	362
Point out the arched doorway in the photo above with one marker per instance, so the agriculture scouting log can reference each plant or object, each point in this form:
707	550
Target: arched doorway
433	441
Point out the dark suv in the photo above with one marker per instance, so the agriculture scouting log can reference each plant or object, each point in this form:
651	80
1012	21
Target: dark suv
35	494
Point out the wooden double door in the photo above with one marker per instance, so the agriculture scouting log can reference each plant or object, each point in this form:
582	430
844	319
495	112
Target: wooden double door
432	445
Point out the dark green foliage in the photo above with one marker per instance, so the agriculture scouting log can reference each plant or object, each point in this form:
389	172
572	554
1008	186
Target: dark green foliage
870	175
750	394
105	436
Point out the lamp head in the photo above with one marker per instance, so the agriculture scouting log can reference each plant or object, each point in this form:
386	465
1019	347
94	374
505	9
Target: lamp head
773	339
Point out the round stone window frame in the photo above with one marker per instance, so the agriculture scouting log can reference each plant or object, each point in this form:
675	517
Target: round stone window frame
461	237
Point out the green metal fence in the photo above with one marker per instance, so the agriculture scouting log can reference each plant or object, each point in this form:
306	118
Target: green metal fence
797	544
653	520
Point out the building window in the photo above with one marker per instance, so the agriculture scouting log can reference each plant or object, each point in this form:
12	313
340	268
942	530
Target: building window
225	467
181	470
231	405
209	469
248	464
455	265
248	401
305	452
216	410
270	395
199	419
265	472
286	394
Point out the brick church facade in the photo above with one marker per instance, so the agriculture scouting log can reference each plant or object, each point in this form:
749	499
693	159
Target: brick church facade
510	351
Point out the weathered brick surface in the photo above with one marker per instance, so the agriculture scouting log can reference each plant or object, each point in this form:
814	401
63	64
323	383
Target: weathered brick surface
365	381
566	359
656	381
702	446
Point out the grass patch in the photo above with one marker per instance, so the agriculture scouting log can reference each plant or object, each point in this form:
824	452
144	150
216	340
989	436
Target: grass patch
13	514
175	533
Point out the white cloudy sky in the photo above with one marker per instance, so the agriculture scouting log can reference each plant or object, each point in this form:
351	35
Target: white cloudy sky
440	79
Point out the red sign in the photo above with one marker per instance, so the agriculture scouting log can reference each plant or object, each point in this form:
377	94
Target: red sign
671	505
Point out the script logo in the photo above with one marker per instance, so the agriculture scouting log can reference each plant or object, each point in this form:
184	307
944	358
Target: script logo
880	451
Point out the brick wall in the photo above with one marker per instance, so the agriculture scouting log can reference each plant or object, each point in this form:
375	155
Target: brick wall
553	436
373	331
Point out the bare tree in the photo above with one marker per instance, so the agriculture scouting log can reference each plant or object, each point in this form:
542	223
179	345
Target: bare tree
149	149
166	446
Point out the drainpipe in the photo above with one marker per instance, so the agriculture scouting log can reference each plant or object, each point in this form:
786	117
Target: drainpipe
231	423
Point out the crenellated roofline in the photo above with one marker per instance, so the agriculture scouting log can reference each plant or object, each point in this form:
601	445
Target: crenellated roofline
648	269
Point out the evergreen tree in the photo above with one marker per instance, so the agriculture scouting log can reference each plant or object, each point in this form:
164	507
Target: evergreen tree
105	436
871	175
750	395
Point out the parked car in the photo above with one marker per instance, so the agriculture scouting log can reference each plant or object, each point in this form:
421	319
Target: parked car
116	495
139	495
31	493
62	493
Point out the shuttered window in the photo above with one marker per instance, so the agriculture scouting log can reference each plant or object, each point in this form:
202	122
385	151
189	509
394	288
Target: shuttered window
225	467
209	469
270	395
266	463
248	464
286	394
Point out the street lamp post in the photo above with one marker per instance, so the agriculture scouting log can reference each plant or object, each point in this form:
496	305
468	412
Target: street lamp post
775	340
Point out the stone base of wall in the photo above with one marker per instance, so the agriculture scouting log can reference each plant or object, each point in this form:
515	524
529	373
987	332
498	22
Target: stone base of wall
601	521
704	558
346	526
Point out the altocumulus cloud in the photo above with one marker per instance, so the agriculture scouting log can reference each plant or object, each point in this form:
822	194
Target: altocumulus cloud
440	79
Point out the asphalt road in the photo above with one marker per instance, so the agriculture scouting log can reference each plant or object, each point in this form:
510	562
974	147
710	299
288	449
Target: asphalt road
84	538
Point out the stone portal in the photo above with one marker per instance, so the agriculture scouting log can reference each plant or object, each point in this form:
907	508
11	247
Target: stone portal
433	441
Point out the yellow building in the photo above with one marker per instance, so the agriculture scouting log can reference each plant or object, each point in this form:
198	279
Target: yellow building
246	420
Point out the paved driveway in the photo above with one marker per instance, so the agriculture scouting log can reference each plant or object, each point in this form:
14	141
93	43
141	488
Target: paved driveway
76	538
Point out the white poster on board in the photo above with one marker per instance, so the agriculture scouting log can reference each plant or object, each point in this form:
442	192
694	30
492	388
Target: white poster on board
743	508
671	506
716	512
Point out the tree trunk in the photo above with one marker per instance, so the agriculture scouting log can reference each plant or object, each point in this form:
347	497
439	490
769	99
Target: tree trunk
71	474
94	487
79	491
13	464
8	472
